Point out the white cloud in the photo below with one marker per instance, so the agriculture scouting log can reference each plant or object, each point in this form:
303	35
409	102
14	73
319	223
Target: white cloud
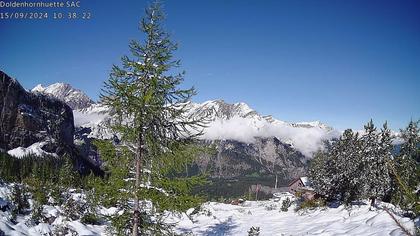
306	140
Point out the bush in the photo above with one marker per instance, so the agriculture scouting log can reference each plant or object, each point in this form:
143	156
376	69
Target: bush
90	218
74	209
270	207
19	200
286	204
36	214
121	224
254	231
63	229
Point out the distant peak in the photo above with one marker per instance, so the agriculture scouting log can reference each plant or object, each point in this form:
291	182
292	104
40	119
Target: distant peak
38	88
75	98
312	124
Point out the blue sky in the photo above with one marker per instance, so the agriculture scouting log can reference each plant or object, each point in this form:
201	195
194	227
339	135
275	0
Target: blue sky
340	62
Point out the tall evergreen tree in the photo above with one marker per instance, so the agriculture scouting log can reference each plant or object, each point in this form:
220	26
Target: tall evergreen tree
376	180
149	105
319	173
382	182
411	137
348	165
406	160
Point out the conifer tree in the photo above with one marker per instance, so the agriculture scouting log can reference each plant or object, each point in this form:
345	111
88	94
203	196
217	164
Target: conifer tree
335	173
383	162
410	150
319	173
347	166
149	106
67	175
19	199
405	170
370	151
376	154
411	137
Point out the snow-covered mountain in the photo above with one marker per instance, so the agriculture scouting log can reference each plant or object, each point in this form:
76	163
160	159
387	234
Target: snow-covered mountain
95	117
226	121
75	98
240	122
229	122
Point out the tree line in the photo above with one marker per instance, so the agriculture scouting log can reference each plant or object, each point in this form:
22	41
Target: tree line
361	166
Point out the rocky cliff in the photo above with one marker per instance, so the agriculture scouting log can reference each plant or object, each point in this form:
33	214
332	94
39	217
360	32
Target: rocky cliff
27	118
265	156
34	123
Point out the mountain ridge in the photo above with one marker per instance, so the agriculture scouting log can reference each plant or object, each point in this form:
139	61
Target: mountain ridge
228	121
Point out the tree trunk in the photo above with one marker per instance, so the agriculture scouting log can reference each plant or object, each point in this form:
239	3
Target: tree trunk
137	220
275	186
186	169
372	201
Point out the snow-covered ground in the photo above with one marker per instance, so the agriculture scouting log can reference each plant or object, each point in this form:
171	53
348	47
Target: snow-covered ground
25	227
227	219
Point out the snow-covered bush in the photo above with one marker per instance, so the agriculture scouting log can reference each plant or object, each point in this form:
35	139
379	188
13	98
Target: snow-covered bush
254	231
74	208
203	210
270	207
19	200
36	214
63	229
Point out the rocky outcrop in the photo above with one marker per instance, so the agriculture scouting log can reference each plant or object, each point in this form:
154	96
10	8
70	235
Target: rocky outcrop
27	118
265	156
35	119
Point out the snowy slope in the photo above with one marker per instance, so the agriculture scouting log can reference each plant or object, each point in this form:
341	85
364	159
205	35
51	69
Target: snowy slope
24	226
225	219
75	98
96	117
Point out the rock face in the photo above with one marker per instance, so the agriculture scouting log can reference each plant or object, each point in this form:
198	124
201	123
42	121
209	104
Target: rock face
265	156
27	118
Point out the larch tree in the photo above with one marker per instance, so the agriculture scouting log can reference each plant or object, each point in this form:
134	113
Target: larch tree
148	104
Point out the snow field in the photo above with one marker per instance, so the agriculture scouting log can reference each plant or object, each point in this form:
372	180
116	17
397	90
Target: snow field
226	219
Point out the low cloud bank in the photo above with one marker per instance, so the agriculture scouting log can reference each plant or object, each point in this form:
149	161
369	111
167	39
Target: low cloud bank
306	140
